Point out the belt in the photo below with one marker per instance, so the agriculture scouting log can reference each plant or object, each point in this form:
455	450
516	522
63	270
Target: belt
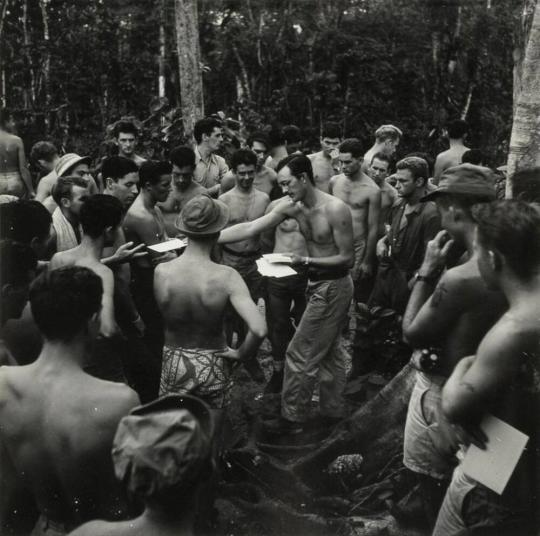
244	254
324	275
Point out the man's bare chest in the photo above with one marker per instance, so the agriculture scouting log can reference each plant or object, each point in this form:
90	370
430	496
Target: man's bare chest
355	195
242	209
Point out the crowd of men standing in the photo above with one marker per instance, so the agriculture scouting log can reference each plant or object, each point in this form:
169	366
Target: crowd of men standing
120	314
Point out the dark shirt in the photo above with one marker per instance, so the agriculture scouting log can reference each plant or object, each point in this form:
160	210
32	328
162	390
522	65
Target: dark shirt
408	244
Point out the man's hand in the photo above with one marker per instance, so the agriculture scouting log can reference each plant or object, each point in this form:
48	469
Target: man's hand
296	260
436	254
284	206
382	248
365	270
125	253
139	326
163	257
231	354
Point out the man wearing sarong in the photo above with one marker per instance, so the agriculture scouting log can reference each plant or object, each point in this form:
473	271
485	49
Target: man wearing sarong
192	293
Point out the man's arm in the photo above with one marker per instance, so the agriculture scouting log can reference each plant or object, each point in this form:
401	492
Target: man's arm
44	187
331	184
23	168
476	381
440	166
108	326
248	311
242	231
366	268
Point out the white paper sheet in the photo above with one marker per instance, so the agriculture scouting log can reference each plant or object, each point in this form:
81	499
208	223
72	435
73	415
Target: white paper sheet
494	466
277	258
169	245
273	270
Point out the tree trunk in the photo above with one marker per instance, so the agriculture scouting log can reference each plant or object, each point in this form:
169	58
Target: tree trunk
361	433
162	50
189	60
525	139
46	64
29	97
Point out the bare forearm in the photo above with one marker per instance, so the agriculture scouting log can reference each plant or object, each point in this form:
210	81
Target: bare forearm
333	261
371	243
27	179
243	231
250	345
421	291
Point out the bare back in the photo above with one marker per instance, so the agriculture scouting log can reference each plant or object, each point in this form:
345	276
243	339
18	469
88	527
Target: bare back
322	170
192	294
57	427
10	147
449	158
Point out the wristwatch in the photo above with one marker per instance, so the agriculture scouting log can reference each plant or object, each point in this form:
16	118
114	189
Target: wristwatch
306	261
424	278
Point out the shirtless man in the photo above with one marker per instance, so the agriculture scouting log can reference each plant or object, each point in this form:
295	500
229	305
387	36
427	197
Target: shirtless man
126	134
179	432
286	296
15	177
245	203
363	197
501	379
324	161
265	178
58	423
287	141
453	316
193	293
144	224
184	188
18	264
44	155
379	170
313	352
457	131
120	179
387	138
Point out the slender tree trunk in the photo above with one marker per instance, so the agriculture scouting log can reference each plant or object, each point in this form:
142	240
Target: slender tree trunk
162	49
189	60
46	64
3	11
29	98
243	72
525	139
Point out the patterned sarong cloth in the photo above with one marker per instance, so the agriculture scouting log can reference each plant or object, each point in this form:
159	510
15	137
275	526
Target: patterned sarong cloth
195	371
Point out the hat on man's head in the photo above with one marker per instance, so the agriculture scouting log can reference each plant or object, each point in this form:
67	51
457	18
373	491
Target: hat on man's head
68	161
163	444
465	179
202	216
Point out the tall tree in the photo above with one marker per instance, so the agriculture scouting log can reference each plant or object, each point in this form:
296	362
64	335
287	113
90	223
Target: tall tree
189	63
525	139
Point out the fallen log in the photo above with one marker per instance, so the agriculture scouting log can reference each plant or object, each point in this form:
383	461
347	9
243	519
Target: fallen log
375	430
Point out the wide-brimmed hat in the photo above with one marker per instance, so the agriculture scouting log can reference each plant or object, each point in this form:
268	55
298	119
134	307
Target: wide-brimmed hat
465	179
68	161
163	444
202	216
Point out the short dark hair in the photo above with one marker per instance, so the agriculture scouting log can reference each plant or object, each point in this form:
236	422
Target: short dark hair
98	212
473	156
260	137
64	187
353	146
116	167
182	157
526	185
331	130
43	150
417	166
511	227
63	301
151	170
243	156
297	163
24	220
291	134
463	201
205	126
457	129
383	157
127	127
16	260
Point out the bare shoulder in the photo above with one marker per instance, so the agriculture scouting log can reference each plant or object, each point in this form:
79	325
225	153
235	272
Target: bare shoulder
261	197
58	260
335	207
92	528
113	400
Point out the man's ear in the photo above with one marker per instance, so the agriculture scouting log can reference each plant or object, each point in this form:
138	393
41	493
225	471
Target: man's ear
109	183
66	203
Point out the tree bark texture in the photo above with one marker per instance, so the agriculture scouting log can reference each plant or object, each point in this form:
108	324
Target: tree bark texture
189	61
525	139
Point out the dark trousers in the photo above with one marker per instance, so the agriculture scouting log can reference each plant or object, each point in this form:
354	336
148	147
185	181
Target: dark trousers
286	301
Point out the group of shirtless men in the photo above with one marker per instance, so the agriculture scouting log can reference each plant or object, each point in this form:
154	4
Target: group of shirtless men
175	322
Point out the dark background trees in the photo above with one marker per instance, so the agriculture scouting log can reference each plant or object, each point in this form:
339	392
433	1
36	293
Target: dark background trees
71	67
